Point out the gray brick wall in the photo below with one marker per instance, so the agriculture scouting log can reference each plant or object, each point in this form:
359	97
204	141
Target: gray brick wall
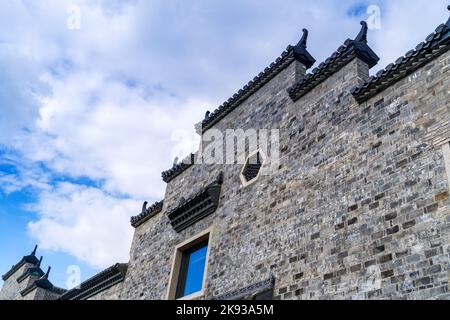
359	208
11	288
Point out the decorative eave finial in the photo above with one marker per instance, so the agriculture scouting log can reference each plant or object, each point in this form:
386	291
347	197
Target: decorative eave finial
144	206
361	47
33	253
304	39
448	21
362	35
45	276
40	261
219	179
300	52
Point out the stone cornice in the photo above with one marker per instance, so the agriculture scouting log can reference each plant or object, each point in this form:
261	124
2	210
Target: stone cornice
434	46
197	207
292	53
98	283
351	49
147	213
249	291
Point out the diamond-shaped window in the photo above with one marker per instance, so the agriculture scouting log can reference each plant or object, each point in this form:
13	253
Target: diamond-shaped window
252	168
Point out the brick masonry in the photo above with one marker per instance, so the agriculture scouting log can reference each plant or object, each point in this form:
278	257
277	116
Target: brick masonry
11	287
359	208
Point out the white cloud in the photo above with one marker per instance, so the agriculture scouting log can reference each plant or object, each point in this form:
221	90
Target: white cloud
85	222
404	24
103	102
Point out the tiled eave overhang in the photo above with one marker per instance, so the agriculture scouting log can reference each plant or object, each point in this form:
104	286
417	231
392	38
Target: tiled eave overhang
292	53
98	283
178	168
298	52
32	259
340	58
147	213
199	206
35	271
434	46
286	58
42	283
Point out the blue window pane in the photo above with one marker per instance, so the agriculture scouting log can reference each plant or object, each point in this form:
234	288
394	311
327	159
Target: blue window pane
195	271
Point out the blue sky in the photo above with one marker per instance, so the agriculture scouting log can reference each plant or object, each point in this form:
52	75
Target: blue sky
90	117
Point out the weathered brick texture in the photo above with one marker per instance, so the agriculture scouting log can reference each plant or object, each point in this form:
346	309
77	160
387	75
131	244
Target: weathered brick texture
358	209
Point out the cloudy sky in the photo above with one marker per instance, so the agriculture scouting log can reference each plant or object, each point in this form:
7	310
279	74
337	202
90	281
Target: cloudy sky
92	110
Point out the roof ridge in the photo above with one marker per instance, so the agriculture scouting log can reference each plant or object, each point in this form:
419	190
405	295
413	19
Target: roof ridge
113	274
147	213
42	282
343	55
297	52
29	271
178	168
436	44
31	258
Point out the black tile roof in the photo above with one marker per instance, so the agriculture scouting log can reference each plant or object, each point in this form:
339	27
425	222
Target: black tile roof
434	45
42	283
147	213
31	258
297	52
197	207
32	271
178	168
98	283
292	53
341	57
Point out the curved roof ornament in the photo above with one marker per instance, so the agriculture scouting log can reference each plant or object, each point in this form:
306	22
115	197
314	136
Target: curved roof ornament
45	276
362	35
144	206
301	54
33	253
304	39
448	21
362	48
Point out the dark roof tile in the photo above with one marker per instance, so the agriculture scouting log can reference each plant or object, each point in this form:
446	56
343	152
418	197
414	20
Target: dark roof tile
147	213
342	56
178	168
297	52
435	45
31	258
98	283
